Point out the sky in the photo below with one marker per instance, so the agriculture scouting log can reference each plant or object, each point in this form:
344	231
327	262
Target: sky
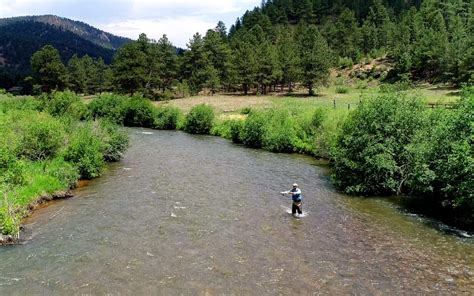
178	19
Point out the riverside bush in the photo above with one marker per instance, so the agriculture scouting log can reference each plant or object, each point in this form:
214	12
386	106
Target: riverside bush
8	103
442	180
253	129
280	132
86	151
111	107
139	112
199	120
167	118
371	155
64	103
115	140
41	136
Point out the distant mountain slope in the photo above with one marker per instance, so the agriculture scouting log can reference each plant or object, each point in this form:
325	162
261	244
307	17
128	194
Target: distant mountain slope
21	37
81	29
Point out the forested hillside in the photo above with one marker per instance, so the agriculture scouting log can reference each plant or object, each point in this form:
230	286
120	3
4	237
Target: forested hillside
22	36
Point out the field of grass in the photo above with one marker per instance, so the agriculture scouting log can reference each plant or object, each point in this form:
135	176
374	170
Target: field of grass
327	97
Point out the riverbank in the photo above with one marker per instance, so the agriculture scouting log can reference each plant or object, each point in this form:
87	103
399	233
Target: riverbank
23	212
45	148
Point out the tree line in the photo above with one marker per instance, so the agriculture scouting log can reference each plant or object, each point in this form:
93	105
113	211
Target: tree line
279	44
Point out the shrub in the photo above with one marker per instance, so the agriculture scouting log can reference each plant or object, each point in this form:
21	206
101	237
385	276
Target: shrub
11	169
245	110
182	90
327	133
280	133
60	103
41	137
139	112
362	84
444	168
342	89
371	152
8	103
253	129
167	118
199	120
235	130
85	151
115	140
110	107
345	63
65	172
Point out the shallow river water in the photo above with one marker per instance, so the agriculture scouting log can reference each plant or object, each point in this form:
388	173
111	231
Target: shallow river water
198	215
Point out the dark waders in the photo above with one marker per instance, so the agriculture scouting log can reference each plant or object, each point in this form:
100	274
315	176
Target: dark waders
297	207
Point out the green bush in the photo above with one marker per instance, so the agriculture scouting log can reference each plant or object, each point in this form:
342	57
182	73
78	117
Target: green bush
167	118
253	129
182	90
342	89
115	140
111	107
199	120
444	165
371	152
65	172
8	104
11	169
327	132
235	130
64	103
280	132
41	137
139	112
345	63
86	151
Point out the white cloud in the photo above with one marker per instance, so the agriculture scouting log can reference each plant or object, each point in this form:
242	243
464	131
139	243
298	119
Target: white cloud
179	19
178	29
192	7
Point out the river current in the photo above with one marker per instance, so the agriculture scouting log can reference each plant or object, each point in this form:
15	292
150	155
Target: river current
198	215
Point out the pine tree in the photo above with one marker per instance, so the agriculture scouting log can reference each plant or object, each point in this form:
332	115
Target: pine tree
169	62
129	68
315	58
288	57
48	69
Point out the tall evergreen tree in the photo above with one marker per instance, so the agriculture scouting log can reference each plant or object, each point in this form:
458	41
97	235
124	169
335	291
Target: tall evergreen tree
48	69
129	68
315	58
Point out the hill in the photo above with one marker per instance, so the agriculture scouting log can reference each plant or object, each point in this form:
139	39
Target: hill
20	37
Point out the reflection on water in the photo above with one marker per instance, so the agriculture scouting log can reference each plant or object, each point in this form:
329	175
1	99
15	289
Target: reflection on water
186	214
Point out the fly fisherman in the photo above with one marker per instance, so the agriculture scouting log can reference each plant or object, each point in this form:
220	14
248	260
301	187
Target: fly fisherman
296	196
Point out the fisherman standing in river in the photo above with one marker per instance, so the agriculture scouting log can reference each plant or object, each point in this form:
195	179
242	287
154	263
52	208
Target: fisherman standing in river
297	198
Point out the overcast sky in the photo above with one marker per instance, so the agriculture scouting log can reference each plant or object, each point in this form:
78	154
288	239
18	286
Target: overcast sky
179	19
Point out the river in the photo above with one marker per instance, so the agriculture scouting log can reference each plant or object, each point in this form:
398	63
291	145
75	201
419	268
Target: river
198	215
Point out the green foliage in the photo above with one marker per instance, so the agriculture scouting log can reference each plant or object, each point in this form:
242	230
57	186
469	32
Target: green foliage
115	140
66	173
65	103
167	118
445	163
11	169
48	69
199	120
111	107
344	63
139	112
253	130
8	103
280	134
315	58
41	137
341	89
371	152
85	150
